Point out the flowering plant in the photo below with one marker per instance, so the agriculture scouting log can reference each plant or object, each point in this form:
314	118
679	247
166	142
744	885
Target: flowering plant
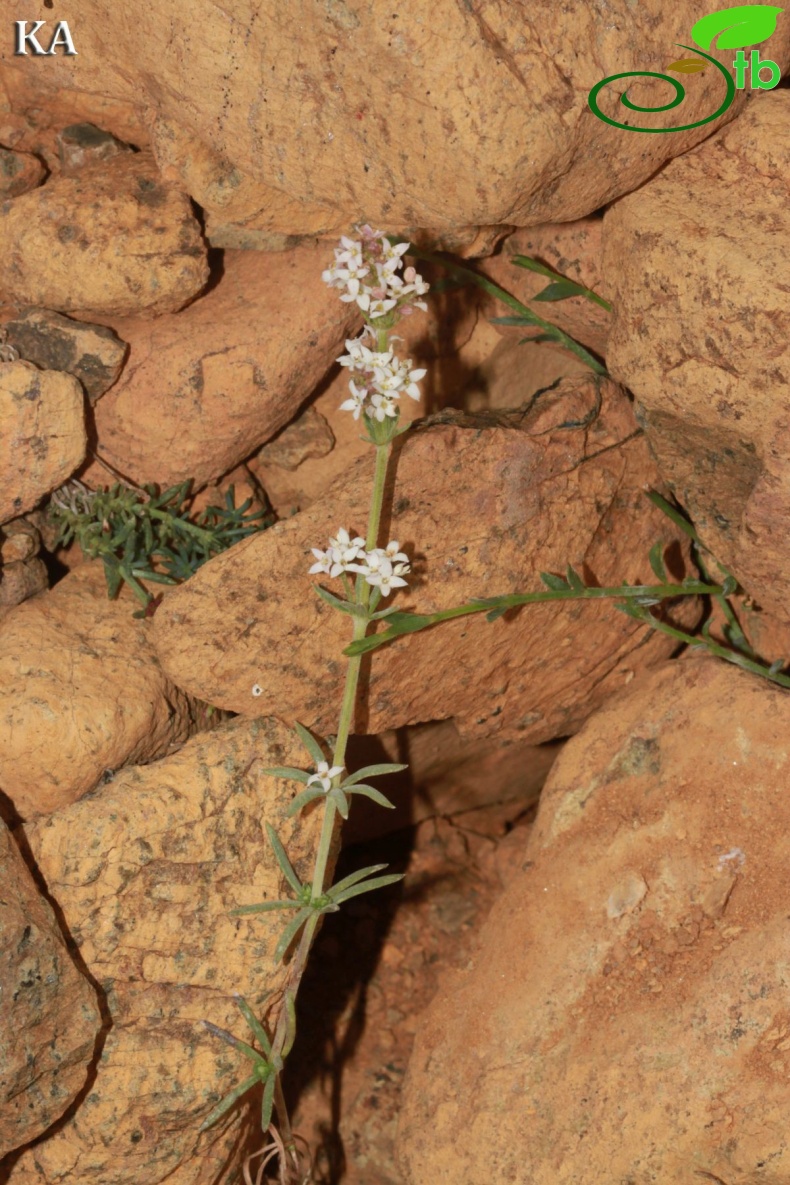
367	271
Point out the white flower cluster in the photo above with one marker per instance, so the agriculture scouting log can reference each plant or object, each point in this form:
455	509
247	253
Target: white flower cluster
381	380
367	269
382	567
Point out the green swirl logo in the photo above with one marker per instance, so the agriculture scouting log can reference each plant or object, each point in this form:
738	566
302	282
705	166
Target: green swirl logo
748	24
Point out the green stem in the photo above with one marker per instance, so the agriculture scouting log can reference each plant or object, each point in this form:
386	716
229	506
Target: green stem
325	843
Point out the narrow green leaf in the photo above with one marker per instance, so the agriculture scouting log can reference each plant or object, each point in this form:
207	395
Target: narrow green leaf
495	614
339	603
559	290
228	1102
302	800
340	801
777	666
290	932
532	265
372	793
264	907
520	319
267	1104
257	1028
282	858
539	337
657	561
310	743
729	586
677	518
378	882
113	577
372	771
287	771
574	579
354	877
555	583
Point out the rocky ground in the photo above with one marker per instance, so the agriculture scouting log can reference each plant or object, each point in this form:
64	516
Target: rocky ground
583	974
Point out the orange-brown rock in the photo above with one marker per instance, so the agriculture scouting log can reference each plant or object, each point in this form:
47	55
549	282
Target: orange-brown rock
81	692
19	172
49	1018
202	390
146	871
21	580
571	249
92	353
483	504
404	116
42	434
628	999
109	241
704	345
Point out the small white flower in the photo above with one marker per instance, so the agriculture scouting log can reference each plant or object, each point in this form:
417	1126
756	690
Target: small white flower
383	406
376	308
345	551
356	404
385	581
324	560
323	776
394	554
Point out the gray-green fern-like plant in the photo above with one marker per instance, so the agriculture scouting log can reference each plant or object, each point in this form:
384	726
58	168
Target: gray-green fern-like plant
149	535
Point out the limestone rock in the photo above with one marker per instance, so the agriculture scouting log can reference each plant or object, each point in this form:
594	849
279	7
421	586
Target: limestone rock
202	390
705	345
19	172
81	692
146	871
109	241
82	144
49	1018
628	998
42	434
483	505
486	122
92	353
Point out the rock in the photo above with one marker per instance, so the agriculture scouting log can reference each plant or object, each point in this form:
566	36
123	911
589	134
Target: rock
487	124
34	107
20	581
146	870
448	777
92	353
201	391
484	504
109	241
305	439
42	434
19	172
573	250
516	373
629	994
704	347
80	693
19	541
82	144
50	1017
